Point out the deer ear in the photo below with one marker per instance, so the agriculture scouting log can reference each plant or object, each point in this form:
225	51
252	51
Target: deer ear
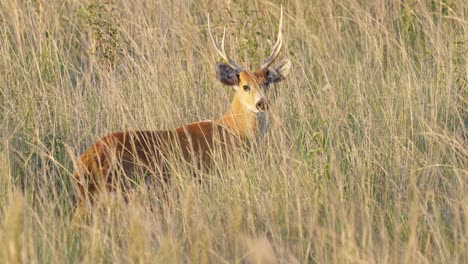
226	74
279	72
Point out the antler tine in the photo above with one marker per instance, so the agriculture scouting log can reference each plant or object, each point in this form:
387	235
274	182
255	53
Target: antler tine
221	50
277	47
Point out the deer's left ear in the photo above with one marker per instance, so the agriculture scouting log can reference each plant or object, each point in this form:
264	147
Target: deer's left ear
279	71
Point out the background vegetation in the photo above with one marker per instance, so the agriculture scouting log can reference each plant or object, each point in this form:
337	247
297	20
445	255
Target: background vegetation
366	159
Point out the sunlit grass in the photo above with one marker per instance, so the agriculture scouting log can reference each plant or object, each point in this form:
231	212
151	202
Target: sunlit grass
365	160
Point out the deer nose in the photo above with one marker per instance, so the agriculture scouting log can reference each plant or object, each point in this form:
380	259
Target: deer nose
261	105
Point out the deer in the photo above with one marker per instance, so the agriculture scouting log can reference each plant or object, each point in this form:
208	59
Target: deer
117	160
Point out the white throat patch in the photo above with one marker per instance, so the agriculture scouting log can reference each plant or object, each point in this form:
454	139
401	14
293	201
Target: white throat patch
262	124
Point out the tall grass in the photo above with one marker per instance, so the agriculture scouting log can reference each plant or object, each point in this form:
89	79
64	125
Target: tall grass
365	160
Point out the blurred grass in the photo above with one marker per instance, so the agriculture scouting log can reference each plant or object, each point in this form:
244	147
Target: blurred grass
365	160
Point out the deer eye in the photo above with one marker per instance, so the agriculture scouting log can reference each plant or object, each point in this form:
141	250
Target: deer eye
246	88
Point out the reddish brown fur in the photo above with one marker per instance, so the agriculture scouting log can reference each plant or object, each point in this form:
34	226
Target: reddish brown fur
122	159
116	160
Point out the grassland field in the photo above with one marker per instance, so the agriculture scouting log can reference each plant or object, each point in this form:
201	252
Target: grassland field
365	159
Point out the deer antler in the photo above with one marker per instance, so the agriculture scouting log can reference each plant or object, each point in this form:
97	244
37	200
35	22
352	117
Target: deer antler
277	47
221	50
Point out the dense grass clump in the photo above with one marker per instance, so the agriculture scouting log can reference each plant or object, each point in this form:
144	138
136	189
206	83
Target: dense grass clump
365	159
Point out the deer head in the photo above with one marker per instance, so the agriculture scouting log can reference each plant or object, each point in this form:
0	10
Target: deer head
252	87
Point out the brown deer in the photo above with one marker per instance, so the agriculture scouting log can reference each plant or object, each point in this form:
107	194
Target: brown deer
120	159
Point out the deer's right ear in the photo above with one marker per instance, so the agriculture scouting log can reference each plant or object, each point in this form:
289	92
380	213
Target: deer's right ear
226	74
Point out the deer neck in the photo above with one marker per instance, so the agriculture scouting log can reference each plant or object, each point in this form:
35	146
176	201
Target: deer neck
243	122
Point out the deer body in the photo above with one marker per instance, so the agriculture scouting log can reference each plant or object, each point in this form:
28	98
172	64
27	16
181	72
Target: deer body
120	159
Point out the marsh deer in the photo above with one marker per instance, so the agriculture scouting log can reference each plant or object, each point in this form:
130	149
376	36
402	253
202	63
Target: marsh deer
118	160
